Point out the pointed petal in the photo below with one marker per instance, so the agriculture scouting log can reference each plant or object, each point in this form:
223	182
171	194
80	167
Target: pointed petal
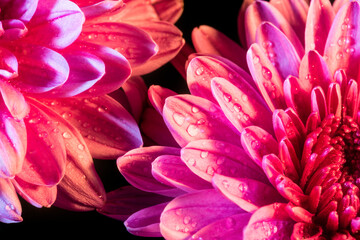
146	222
248	194
36	195
187	214
45	158
55	24
8	64
123	202
171	170
13	100
318	102
230	228
168	10
157	96
133	43
98	8
241	21
202	69
19	9
10	205
342	49
334	100
208	40
274	221
267	78
169	40
135	166
321	13
241	104
191	118
258	143
351	98
108	129
207	157
278	49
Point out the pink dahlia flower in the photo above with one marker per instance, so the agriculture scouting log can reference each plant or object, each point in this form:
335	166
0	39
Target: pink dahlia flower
273	155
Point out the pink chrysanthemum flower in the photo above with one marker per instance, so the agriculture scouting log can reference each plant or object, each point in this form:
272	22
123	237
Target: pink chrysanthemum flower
274	156
49	52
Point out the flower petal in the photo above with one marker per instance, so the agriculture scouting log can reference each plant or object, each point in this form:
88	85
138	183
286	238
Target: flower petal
269	222
157	96
187	214
171	170
8	64
10	205
191	118
321	13
241	104
55	24
19	9
14	100
146	222
108	129
342	49
168	10
248	194
207	157
208	40
99	8
135	166
309	231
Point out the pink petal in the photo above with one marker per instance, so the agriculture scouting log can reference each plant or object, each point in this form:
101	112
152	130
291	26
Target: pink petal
157	96
241	104
341	49
19	9
338	4
99	8
36	195
145	222
45	158
48	71
133	43
135	166
351	97
123	202
55	24
241	21
8	64
13	138
207	157
248	194
14	29
192	118
108	129
13	100
258	143
168	10
202	69
169	40
321	13
153	126
10	205
266	76
230	228
208	40
318	102
171	170
295	12
299	214
117	68
261	11
187	214
334	100
278	49
274	221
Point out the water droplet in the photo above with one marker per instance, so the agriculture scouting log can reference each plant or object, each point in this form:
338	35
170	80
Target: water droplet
220	160
339	55
66	115
102	109
81	147
9	207
226	184
201	121
210	170
187	219
192	162
266	73
256	60
267	44
350	50
193	130
86	124
243	187
97	129
178	118
204	154
227	97
194	109
199	71
66	135
178	212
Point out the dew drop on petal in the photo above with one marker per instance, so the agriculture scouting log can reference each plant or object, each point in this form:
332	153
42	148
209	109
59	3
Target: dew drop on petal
193	130
194	109
187	220
210	170
178	118
199	71
256	60
227	97
66	135
204	154
266	73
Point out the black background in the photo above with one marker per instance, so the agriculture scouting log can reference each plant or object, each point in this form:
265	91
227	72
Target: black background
55	222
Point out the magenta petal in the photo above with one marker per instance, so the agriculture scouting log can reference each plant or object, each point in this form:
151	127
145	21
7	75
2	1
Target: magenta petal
45	158
303	230
248	194
230	228
192	118
168	10
133	43
172	170
19	9
274	221
318	102
10	205
8	64
98	8
342	49
241	104
123	202
146	222
36	195
187	214
108	129
207	157
157	96
13	100
55	24
258	143
40	69
135	166
117	68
